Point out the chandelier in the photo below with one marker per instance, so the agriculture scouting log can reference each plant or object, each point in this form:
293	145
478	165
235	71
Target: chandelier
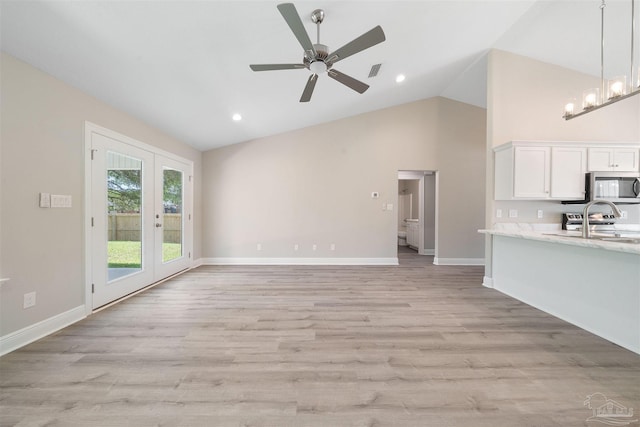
612	90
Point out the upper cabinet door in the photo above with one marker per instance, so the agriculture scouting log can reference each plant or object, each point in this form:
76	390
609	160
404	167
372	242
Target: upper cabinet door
614	159
531	177
568	166
627	159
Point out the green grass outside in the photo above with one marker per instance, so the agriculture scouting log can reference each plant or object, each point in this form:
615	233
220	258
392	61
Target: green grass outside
129	254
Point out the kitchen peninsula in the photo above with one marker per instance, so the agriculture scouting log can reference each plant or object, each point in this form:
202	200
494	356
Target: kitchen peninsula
593	284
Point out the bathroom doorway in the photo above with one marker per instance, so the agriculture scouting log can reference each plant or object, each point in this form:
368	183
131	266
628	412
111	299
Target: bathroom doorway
417	212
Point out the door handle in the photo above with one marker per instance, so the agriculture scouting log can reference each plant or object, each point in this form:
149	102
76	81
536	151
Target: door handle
158	224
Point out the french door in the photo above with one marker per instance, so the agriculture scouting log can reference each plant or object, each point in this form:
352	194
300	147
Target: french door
140	217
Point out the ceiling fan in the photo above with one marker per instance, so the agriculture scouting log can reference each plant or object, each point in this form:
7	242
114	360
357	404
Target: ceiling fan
317	58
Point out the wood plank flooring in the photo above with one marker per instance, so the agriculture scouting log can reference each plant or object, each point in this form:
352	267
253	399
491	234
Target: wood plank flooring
413	345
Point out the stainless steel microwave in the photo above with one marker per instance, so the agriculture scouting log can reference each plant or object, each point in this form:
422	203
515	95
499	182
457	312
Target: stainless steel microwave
616	187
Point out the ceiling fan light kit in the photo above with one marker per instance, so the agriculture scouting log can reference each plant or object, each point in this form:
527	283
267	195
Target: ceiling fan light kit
613	90
317	58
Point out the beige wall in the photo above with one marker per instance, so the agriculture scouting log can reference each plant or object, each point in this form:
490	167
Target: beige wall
42	136
429	211
313	186
413	187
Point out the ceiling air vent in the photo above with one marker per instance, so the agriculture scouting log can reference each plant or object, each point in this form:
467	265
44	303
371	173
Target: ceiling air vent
375	69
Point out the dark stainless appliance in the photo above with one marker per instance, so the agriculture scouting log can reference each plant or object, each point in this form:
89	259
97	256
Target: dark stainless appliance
616	187
572	221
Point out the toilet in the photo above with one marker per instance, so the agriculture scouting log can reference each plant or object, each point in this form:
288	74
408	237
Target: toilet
402	238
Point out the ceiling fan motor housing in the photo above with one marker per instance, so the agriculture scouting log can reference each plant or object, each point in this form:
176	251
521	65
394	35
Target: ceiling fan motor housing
319	63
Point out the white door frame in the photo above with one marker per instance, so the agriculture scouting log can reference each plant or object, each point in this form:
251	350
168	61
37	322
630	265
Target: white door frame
89	129
419	175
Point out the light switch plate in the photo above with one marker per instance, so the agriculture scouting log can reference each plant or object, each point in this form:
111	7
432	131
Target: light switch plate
60	201
45	200
389	206
498	213
540	214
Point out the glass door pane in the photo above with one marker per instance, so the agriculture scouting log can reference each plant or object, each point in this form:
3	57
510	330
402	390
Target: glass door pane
173	223
122	210
172	184
124	215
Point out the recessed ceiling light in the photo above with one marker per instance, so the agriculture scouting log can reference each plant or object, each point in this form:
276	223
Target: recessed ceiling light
236	117
400	78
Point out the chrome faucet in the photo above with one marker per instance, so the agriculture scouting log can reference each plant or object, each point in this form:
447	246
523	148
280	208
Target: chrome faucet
586	232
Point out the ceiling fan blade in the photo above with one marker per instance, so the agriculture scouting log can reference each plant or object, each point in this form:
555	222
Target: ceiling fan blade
348	81
290	14
308	89
365	41
271	67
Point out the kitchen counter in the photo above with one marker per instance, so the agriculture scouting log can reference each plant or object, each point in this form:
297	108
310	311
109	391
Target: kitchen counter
567	238
590	283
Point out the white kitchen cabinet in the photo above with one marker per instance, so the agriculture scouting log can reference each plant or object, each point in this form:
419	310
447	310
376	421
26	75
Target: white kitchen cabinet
522	172
541	170
568	166
531	172
614	159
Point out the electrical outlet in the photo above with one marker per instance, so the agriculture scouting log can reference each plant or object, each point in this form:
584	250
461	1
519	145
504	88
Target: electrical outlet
498	213
333	247
29	300
389	206
624	214
259	247
296	247
513	213
314	247
540	214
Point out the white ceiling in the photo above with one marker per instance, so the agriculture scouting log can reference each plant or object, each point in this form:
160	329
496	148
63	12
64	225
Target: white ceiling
183	66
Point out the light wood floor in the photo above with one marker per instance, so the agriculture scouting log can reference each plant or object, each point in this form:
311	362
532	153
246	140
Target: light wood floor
414	345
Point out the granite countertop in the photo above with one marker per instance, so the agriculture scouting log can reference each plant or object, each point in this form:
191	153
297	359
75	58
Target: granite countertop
554	235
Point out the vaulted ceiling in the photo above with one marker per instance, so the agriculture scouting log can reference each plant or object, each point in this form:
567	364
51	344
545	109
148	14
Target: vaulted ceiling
183	66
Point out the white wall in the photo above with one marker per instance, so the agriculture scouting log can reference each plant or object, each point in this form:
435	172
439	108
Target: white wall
42	138
313	185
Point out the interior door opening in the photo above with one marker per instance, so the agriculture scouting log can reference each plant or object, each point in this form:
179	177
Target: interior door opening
417	211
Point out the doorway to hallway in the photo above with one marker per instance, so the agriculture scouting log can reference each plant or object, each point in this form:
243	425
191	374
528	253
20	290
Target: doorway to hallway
417	211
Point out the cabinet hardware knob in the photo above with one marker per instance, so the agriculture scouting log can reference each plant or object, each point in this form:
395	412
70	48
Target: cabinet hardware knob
158	224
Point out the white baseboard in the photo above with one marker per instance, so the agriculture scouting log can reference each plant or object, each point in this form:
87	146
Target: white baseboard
197	263
24	336
458	261
428	252
487	282
299	261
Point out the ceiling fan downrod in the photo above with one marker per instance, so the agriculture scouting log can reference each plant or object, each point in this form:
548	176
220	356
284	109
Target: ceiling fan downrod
318	64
